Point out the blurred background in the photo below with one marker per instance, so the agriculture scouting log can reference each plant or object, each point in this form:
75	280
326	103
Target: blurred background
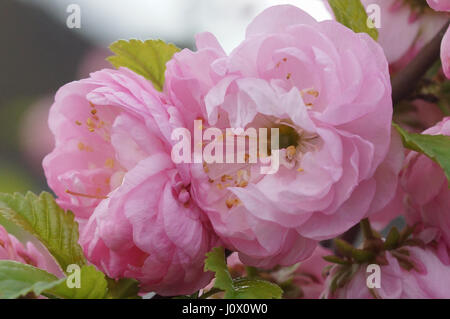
40	53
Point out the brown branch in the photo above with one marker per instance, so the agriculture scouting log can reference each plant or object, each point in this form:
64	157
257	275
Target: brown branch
404	83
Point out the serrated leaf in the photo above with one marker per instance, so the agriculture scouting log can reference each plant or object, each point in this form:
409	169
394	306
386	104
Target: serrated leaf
147	58
353	15
124	288
241	288
93	285
436	147
17	279
43	218
245	288
215	262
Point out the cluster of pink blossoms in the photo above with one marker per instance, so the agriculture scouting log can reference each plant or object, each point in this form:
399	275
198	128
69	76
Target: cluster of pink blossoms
421	268
142	216
12	249
406	26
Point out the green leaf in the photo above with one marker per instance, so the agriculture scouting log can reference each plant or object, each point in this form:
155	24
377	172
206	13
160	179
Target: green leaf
17	279
147	58
124	288
241	288
245	288
215	261
436	147
353	15
93	285
49	223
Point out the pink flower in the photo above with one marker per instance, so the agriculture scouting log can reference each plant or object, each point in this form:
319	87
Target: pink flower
426	191
94	145
428	278
439	5
12	249
111	166
309	275
414	26
328	91
445	53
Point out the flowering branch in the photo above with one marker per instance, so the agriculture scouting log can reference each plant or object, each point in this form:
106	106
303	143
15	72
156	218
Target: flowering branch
405	81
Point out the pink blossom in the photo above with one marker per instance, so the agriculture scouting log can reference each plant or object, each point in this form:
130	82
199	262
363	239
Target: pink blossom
425	191
309	275
328	90
445	53
405	29
439	5
13	249
428	279
93	146
424	114
111	166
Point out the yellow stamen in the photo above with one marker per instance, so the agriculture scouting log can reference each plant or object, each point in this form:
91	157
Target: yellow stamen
313	93
243	184
231	202
290	152
225	178
109	163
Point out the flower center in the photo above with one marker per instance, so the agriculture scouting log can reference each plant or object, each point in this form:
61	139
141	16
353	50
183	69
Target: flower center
288	136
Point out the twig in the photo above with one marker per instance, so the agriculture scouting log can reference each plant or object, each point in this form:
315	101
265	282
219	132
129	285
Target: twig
404	83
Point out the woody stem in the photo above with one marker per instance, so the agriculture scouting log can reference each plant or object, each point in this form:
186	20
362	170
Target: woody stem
404	83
